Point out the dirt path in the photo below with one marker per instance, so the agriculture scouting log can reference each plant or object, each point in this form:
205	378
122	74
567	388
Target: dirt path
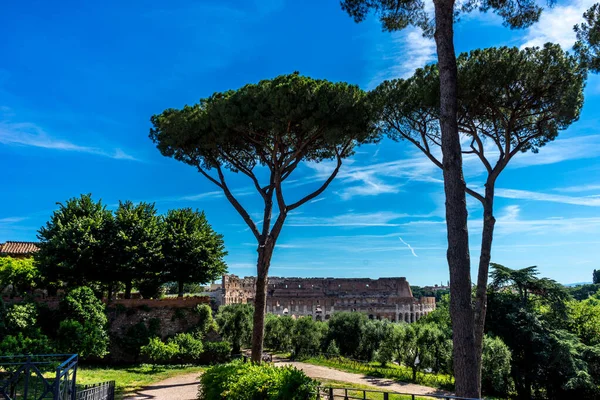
182	387
185	387
319	372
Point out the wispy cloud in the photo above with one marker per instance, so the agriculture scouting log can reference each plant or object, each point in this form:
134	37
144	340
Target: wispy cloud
380	218
556	25
579	189
31	135
400	55
11	220
590	201
409	246
317	200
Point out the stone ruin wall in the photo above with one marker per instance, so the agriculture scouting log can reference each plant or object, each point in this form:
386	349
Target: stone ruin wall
389	298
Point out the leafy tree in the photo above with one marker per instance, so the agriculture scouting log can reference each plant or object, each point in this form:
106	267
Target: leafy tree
588	38
396	15
347	329
495	374
332	349
374	333
278	332
193	252
266	130
73	243
582	292
308	337
596	277
510	101
21	273
137	244
235	325
391	347
206	323
21	318
34	343
584	319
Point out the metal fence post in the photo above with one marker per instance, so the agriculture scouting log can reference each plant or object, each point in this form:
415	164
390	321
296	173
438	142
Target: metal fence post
386	396
331	393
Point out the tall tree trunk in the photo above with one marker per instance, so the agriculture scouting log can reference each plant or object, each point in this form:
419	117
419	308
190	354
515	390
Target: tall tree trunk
484	267
180	291
461	309
128	287
265	252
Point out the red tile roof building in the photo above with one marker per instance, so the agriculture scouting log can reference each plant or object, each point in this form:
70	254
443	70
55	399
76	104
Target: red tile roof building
18	249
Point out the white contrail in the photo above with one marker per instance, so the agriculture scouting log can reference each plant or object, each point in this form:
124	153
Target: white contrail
409	246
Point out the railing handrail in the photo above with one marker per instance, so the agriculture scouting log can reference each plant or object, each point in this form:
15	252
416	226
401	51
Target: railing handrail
437	396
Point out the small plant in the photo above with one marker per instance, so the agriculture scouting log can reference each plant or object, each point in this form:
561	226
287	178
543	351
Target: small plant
333	350
160	352
216	352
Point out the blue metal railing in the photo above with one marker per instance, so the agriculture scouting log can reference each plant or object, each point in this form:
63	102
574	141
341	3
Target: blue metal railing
331	393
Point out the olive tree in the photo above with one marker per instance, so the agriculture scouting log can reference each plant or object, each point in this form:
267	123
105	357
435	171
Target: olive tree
265	131
396	15
511	101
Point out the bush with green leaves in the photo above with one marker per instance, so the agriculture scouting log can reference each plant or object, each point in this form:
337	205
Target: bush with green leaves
247	381
495	367
235	325
82	305
216	353
347	329
278	332
21	317
85	339
139	335
190	348
20	273
160	352
332	349
206	322
34	343
308	337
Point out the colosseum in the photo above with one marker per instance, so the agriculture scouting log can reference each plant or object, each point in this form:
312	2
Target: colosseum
389	298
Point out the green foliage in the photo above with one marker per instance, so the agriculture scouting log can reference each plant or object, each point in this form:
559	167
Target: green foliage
278	330
85	339
216	352
332	349
374	333
33	343
584	319
82	305
235	324
587	46
397	15
495	374
137	245
596	277
21	273
150	288
582	292
190	348
21	317
308	337
159	351
193	252
248	381
206	323
74	245
347	329
139	335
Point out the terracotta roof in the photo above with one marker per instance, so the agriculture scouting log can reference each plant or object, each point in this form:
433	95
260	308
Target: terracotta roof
21	248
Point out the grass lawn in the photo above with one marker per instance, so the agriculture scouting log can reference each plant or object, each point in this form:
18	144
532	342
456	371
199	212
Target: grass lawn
391	371
131	378
369	395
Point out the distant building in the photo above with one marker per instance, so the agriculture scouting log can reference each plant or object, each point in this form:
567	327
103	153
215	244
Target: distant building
435	288
18	249
389	298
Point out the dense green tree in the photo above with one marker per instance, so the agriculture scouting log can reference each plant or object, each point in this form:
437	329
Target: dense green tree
308	337
588	38
391	347
582	292
596	277
374	333
235	325
278	332
137	245
20	273
510	101
206	322
347	329
396	15
73	243
584	319
495	374
193	252
266	130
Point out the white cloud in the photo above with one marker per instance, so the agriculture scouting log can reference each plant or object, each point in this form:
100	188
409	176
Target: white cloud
381	218
409	247
556	24
406	51
590	201
578	189
31	135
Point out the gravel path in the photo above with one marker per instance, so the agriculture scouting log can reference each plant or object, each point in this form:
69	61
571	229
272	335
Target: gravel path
319	372
182	387
185	387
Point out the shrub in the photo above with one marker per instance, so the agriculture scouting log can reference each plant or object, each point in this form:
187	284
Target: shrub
308	336
347	329
216	353
332	349
139	335
150	288
84	339
206	323
35	343
235	324
159	351
190	348
495	374
246	381
83	306
21	317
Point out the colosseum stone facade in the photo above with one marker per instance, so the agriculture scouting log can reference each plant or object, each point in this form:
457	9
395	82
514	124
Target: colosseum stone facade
389	298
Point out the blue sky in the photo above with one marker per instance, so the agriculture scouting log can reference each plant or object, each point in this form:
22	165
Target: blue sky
80	80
